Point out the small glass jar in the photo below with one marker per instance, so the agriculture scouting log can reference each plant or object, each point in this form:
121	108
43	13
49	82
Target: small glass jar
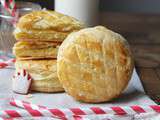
7	25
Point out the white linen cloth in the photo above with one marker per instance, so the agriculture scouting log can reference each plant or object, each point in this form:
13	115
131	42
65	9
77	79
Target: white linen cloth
133	95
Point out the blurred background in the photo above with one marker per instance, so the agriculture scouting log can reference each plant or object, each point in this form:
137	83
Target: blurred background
117	12
138	6
134	9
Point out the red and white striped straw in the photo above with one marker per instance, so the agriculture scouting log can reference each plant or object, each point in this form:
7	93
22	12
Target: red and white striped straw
78	112
10	6
8	63
41	111
27	113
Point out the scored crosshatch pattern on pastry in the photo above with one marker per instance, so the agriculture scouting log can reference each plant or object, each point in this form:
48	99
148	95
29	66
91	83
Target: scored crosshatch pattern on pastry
85	61
50	20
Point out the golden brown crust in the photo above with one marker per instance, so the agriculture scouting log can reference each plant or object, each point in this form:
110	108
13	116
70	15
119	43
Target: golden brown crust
94	65
45	25
44	74
38	50
39	35
48	20
45	86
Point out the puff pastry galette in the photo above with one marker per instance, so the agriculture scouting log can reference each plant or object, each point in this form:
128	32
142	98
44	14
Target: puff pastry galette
94	64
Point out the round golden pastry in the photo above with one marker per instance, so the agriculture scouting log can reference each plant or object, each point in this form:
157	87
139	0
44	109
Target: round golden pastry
94	64
43	73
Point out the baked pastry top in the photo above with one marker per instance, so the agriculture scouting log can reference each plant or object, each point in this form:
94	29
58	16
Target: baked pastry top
44	74
48	20
94	64
35	50
45	25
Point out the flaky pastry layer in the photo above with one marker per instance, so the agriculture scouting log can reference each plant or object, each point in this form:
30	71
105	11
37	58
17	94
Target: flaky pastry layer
45	25
37	50
43	73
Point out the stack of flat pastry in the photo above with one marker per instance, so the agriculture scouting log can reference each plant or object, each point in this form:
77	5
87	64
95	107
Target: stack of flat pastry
39	35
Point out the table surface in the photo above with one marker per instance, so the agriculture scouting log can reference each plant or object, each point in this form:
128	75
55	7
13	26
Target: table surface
143	33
